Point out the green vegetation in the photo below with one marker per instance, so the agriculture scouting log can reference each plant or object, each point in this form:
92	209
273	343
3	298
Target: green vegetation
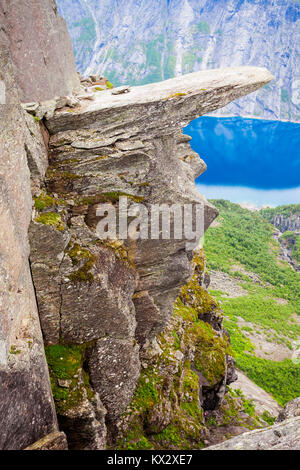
243	244
87	30
165	411
69	382
245	238
44	201
201	27
285	97
14	350
112	196
189	59
281	379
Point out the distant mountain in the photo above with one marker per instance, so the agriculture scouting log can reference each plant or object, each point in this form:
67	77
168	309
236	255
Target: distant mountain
142	41
287	220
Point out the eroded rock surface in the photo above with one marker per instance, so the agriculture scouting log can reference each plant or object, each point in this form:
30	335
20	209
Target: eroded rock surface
54	441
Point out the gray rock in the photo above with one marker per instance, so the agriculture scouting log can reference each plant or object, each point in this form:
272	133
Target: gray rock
94	78
46	109
72	101
117	296
61	102
54	441
84	425
120	90
114	372
26	407
30	107
86	96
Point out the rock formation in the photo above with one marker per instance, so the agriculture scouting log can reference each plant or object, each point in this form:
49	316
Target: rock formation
283	223
102	304
145	42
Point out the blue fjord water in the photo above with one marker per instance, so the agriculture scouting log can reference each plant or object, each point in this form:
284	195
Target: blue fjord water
249	160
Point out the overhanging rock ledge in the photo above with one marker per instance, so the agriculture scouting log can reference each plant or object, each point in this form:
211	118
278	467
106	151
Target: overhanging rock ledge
114	298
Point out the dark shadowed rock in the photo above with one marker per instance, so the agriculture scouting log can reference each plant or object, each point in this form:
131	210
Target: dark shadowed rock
281	436
291	410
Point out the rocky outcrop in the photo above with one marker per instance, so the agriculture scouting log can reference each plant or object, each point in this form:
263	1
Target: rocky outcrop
101	302
291	410
283	435
40	47
54	441
26	406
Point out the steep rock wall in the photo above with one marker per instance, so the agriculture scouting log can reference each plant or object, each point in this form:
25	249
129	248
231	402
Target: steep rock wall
26	406
40	47
101	302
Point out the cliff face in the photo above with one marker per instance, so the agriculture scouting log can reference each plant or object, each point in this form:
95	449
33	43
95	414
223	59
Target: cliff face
40	47
283	223
140	42
102	304
26	406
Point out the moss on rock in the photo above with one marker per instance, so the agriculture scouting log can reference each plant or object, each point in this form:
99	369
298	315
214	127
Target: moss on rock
51	218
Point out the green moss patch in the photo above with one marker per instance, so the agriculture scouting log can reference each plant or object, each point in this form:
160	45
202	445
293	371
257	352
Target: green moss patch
51	218
44	201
